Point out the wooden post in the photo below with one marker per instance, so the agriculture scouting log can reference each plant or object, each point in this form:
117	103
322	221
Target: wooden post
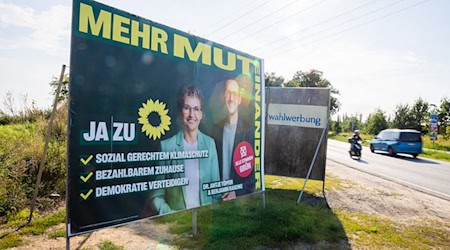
47	138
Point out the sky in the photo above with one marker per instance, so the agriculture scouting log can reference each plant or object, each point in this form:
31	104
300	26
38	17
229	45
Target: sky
377	53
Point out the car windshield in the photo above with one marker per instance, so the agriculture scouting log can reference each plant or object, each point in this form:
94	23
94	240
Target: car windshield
410	137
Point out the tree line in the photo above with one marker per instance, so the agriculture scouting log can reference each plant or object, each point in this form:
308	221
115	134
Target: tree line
312	78
405	116
22	133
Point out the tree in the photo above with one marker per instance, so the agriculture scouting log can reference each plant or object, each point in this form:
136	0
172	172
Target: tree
350	124
272	80
314	78
419	114
402	117
444	115
64	94
337	126
11	107
376	122
9	103
292	83
447	133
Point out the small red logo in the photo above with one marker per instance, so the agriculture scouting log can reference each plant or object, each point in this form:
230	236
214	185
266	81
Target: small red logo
243	159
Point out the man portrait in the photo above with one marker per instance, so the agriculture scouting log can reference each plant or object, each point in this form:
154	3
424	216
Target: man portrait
228	133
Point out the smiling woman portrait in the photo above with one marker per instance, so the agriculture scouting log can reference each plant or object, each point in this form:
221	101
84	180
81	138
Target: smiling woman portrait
198	171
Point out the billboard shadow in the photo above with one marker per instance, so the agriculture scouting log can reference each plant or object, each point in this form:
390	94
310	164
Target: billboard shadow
244	223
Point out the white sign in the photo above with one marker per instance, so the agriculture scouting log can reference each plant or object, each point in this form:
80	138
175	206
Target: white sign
297	115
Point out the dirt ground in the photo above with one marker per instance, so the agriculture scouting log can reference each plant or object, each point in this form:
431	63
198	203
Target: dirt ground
363	193
369	194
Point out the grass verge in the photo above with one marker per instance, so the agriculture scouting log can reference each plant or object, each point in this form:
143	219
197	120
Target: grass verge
8	240
376	232
57	234
440	144
438	155
108	245
244	224
312	186
38	226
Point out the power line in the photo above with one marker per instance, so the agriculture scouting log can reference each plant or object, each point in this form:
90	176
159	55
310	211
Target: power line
329	28
353	19
227	17
370	21
237	18
248	25
279	21
315	25
356	26
337	25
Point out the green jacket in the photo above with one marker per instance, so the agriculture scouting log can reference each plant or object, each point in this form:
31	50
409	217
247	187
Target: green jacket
170	199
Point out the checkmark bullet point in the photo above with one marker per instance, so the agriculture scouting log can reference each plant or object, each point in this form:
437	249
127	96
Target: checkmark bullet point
85	196
85	162
86	178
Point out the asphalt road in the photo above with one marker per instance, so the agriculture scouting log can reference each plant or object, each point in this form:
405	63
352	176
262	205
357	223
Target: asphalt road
426	175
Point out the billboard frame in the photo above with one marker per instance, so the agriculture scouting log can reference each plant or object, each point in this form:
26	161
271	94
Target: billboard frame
258	72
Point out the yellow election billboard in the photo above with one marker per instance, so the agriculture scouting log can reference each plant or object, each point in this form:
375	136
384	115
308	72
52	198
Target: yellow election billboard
160	120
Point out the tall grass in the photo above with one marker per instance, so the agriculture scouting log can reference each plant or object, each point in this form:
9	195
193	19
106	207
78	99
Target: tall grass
440	144
21	147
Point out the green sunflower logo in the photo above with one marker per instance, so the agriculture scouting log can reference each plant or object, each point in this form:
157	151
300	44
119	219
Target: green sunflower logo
154	119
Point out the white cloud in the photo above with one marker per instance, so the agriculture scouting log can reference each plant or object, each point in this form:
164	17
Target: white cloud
367	77
15	15
377	65
46	31
34	44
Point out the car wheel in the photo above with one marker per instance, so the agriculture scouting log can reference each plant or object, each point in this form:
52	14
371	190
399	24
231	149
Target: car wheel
415	156
391	151
371	148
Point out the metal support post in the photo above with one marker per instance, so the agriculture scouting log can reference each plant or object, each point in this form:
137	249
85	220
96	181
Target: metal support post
194	222
264	199
313	161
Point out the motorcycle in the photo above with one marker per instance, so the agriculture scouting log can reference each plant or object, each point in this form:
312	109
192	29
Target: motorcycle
355	148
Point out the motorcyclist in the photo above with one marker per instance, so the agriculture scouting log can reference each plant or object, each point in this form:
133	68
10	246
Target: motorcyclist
356	136
354	141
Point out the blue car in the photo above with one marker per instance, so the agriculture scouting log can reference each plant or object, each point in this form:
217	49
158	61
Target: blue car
393	141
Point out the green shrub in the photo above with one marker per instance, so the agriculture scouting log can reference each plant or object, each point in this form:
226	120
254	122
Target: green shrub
10	240
57	234
21	150
108	245
17	158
